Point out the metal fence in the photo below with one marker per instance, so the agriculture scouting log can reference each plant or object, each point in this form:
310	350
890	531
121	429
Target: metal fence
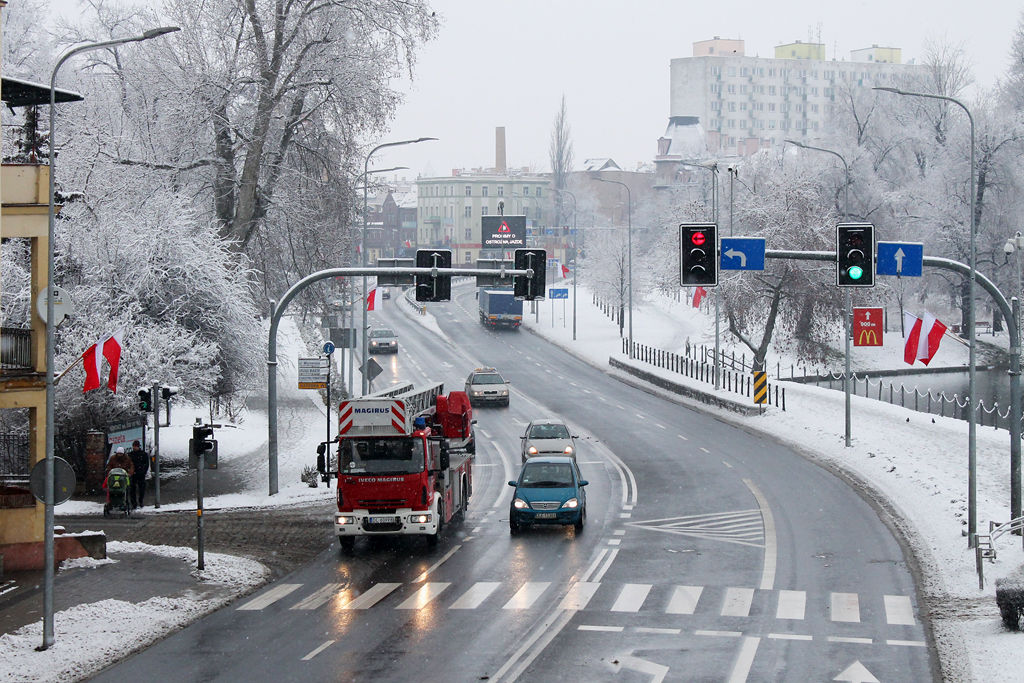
15	348
15	454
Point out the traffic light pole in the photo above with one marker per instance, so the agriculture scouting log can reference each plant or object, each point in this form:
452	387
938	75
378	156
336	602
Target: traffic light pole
156	444
201	465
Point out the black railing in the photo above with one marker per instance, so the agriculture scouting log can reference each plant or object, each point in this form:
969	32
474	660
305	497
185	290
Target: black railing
14	456
15	348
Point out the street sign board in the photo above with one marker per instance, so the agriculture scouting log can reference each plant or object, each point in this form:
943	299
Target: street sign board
900	258
494	280
310	364
503	232
558	293
328	348
741	253
373	369
343	337
395	279
312	385
63	481
867	326
313	373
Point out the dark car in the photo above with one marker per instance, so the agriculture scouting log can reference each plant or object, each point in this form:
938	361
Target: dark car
549	490
383	340
487	386
385	293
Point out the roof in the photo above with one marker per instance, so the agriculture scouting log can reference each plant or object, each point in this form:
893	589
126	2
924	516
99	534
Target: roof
18	93
600	164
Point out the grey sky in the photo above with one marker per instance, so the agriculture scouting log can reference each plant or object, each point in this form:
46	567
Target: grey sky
509	63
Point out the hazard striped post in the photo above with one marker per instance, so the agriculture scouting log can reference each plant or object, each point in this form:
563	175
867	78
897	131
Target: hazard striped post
760	387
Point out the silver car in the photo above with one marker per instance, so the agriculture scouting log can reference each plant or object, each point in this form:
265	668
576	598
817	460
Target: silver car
486	386
548	437
383	340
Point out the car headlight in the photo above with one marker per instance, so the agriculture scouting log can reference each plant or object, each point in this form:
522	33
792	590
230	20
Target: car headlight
419	519
520	504
568	450
571	503
477	393
532	450
503	392
343	519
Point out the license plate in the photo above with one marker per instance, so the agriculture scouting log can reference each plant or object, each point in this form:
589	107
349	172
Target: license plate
545	515
382	520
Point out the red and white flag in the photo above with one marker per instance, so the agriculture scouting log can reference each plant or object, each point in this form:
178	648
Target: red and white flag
108	347
698	294
565	271
371	299
408	244
921	337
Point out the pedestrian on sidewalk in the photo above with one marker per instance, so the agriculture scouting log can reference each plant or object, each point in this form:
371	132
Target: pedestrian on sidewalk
140	460
121	459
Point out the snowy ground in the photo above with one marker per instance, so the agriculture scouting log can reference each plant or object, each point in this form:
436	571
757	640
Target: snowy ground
913	464
89	637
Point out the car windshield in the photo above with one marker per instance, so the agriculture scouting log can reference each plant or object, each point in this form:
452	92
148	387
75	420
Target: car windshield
487	379
546	475
549	432
377	334
382	456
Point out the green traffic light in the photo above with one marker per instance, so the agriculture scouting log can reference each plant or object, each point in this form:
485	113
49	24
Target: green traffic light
855	272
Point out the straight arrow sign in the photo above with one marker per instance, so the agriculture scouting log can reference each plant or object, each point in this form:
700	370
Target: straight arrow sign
856	673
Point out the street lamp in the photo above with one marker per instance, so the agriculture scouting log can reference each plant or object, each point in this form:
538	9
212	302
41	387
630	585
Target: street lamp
48	463
972	426
576	258
366	172
846	317
629	211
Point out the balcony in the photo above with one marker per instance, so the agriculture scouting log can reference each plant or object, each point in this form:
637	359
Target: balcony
16	351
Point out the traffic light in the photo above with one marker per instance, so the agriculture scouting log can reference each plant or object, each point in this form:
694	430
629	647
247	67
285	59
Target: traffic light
202	443
698	255
167	392
855	255
145	400
429	287
524	286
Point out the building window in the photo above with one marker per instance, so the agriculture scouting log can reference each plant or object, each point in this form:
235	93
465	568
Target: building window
732	106
731	89
501	190
814	74
537	191
829	92
732	141
716	106
483	191
536	211
814	109
760	72
814	91
732	123
743	123
526	191
802	73
484	210
815	124
715	88
771	124
469	212
799	108
469	233
772	73
716	71
469	257
829	74
743	90
743	106
469	190
771	89
732	71
744	72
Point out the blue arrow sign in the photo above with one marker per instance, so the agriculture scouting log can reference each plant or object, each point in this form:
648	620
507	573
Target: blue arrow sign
558	293
900	258
741	253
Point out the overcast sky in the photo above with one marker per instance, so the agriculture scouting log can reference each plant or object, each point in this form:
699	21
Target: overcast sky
509	64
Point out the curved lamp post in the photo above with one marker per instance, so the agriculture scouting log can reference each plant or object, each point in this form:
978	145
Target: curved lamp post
629	212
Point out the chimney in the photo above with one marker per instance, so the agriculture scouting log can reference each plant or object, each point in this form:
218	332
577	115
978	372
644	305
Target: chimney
499	149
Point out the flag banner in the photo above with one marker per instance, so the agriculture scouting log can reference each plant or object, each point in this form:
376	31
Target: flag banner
921	337
698	295
112	352
371	299
565	271
109	347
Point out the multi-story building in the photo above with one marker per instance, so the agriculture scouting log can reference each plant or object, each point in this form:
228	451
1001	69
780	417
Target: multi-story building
391	223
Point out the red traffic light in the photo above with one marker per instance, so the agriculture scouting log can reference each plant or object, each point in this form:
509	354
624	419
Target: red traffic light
697	238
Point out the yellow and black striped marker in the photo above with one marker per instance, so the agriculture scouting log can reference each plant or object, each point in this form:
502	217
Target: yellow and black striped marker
760	387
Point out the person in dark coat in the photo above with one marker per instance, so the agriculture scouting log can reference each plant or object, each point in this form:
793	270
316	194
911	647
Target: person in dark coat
121	459
140	459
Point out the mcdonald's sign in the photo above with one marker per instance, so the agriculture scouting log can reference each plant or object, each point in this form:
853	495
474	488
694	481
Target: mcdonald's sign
868	326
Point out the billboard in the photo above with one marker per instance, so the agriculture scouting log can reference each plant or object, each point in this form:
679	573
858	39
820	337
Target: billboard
502	232
868	325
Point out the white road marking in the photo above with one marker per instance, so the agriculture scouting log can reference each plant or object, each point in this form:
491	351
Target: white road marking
614	541
737	602
771	548
724	634
423	577
659	631
578	596
684	600
319	597
472	598
625	515
704	449
846	607
542	636
746	658
371	597
484	432
682	437
270	597
527	595
727	464
906	643
605	629
607	565
560	377
640	416
477	530
857	641
659	426
317	651
792	605
789	636
619	532
899	610
423	596
587	391
509	476
593	565
619	407
631	597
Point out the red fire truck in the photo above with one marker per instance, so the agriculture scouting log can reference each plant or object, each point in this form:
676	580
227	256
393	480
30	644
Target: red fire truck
404	462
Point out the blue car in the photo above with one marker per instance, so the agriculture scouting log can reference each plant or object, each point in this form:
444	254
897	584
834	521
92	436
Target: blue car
549	490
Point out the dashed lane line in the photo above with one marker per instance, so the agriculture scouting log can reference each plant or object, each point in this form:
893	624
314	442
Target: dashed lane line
317	651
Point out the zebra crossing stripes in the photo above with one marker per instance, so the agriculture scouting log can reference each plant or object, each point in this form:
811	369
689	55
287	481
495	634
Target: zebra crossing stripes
527	595
424	595
792	605
270	597
737	602
631	597
846	607
472	598
579	595
684	599
899	610
319	597
371	597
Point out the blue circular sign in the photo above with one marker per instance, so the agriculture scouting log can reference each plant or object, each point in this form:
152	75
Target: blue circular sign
328	348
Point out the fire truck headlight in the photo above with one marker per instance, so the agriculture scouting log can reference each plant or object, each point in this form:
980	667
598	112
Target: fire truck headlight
520	504
571	503
419	519
342	520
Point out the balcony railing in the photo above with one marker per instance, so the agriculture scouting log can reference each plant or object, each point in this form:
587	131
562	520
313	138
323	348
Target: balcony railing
15	348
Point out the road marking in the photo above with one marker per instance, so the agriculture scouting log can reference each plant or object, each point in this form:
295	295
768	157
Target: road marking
579	595
846	607
659	426
560	377
792	605
625	515
500	500
593	565
602	398
789	636
423	596
737	602
619	407
607	565
619	532
857	641
472	598
606	629
899	610
640	416
631	597
658	631
527	595
542	636
745	660
486	435
682	437
771	548
743	527
317	651
722	634
704	449
587	391
684	599
477	530
319	597
614	541
371	597
270	597
907	643
423	577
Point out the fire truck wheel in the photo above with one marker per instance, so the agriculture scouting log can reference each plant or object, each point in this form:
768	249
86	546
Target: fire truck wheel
347	543
436	536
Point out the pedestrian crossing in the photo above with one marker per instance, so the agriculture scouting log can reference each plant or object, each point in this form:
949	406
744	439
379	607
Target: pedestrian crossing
631	598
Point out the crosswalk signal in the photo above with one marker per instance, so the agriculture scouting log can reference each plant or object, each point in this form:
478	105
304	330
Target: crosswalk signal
855	255
202	443
698	255
431	287
527	287
145	400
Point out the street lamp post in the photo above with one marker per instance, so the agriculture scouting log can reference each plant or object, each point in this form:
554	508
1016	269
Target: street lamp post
972	423
1015	244
629	212
576	258
366	172
48	552
846	317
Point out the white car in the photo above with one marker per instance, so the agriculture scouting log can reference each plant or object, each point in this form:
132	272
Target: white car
548	437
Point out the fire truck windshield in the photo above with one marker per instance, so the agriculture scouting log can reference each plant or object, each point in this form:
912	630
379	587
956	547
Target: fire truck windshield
382	456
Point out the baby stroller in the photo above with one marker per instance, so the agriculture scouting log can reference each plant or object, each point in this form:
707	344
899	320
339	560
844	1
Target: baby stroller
117	486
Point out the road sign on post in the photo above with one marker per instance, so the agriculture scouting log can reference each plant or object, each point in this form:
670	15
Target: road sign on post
313	373
525	287
698	263
742	253
558	293
902	259
867	326
855	255
430	287
760	387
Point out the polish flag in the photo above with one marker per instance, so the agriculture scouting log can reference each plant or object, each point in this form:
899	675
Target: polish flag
922	337
108	347
698	294
565	271
408	244
371	299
